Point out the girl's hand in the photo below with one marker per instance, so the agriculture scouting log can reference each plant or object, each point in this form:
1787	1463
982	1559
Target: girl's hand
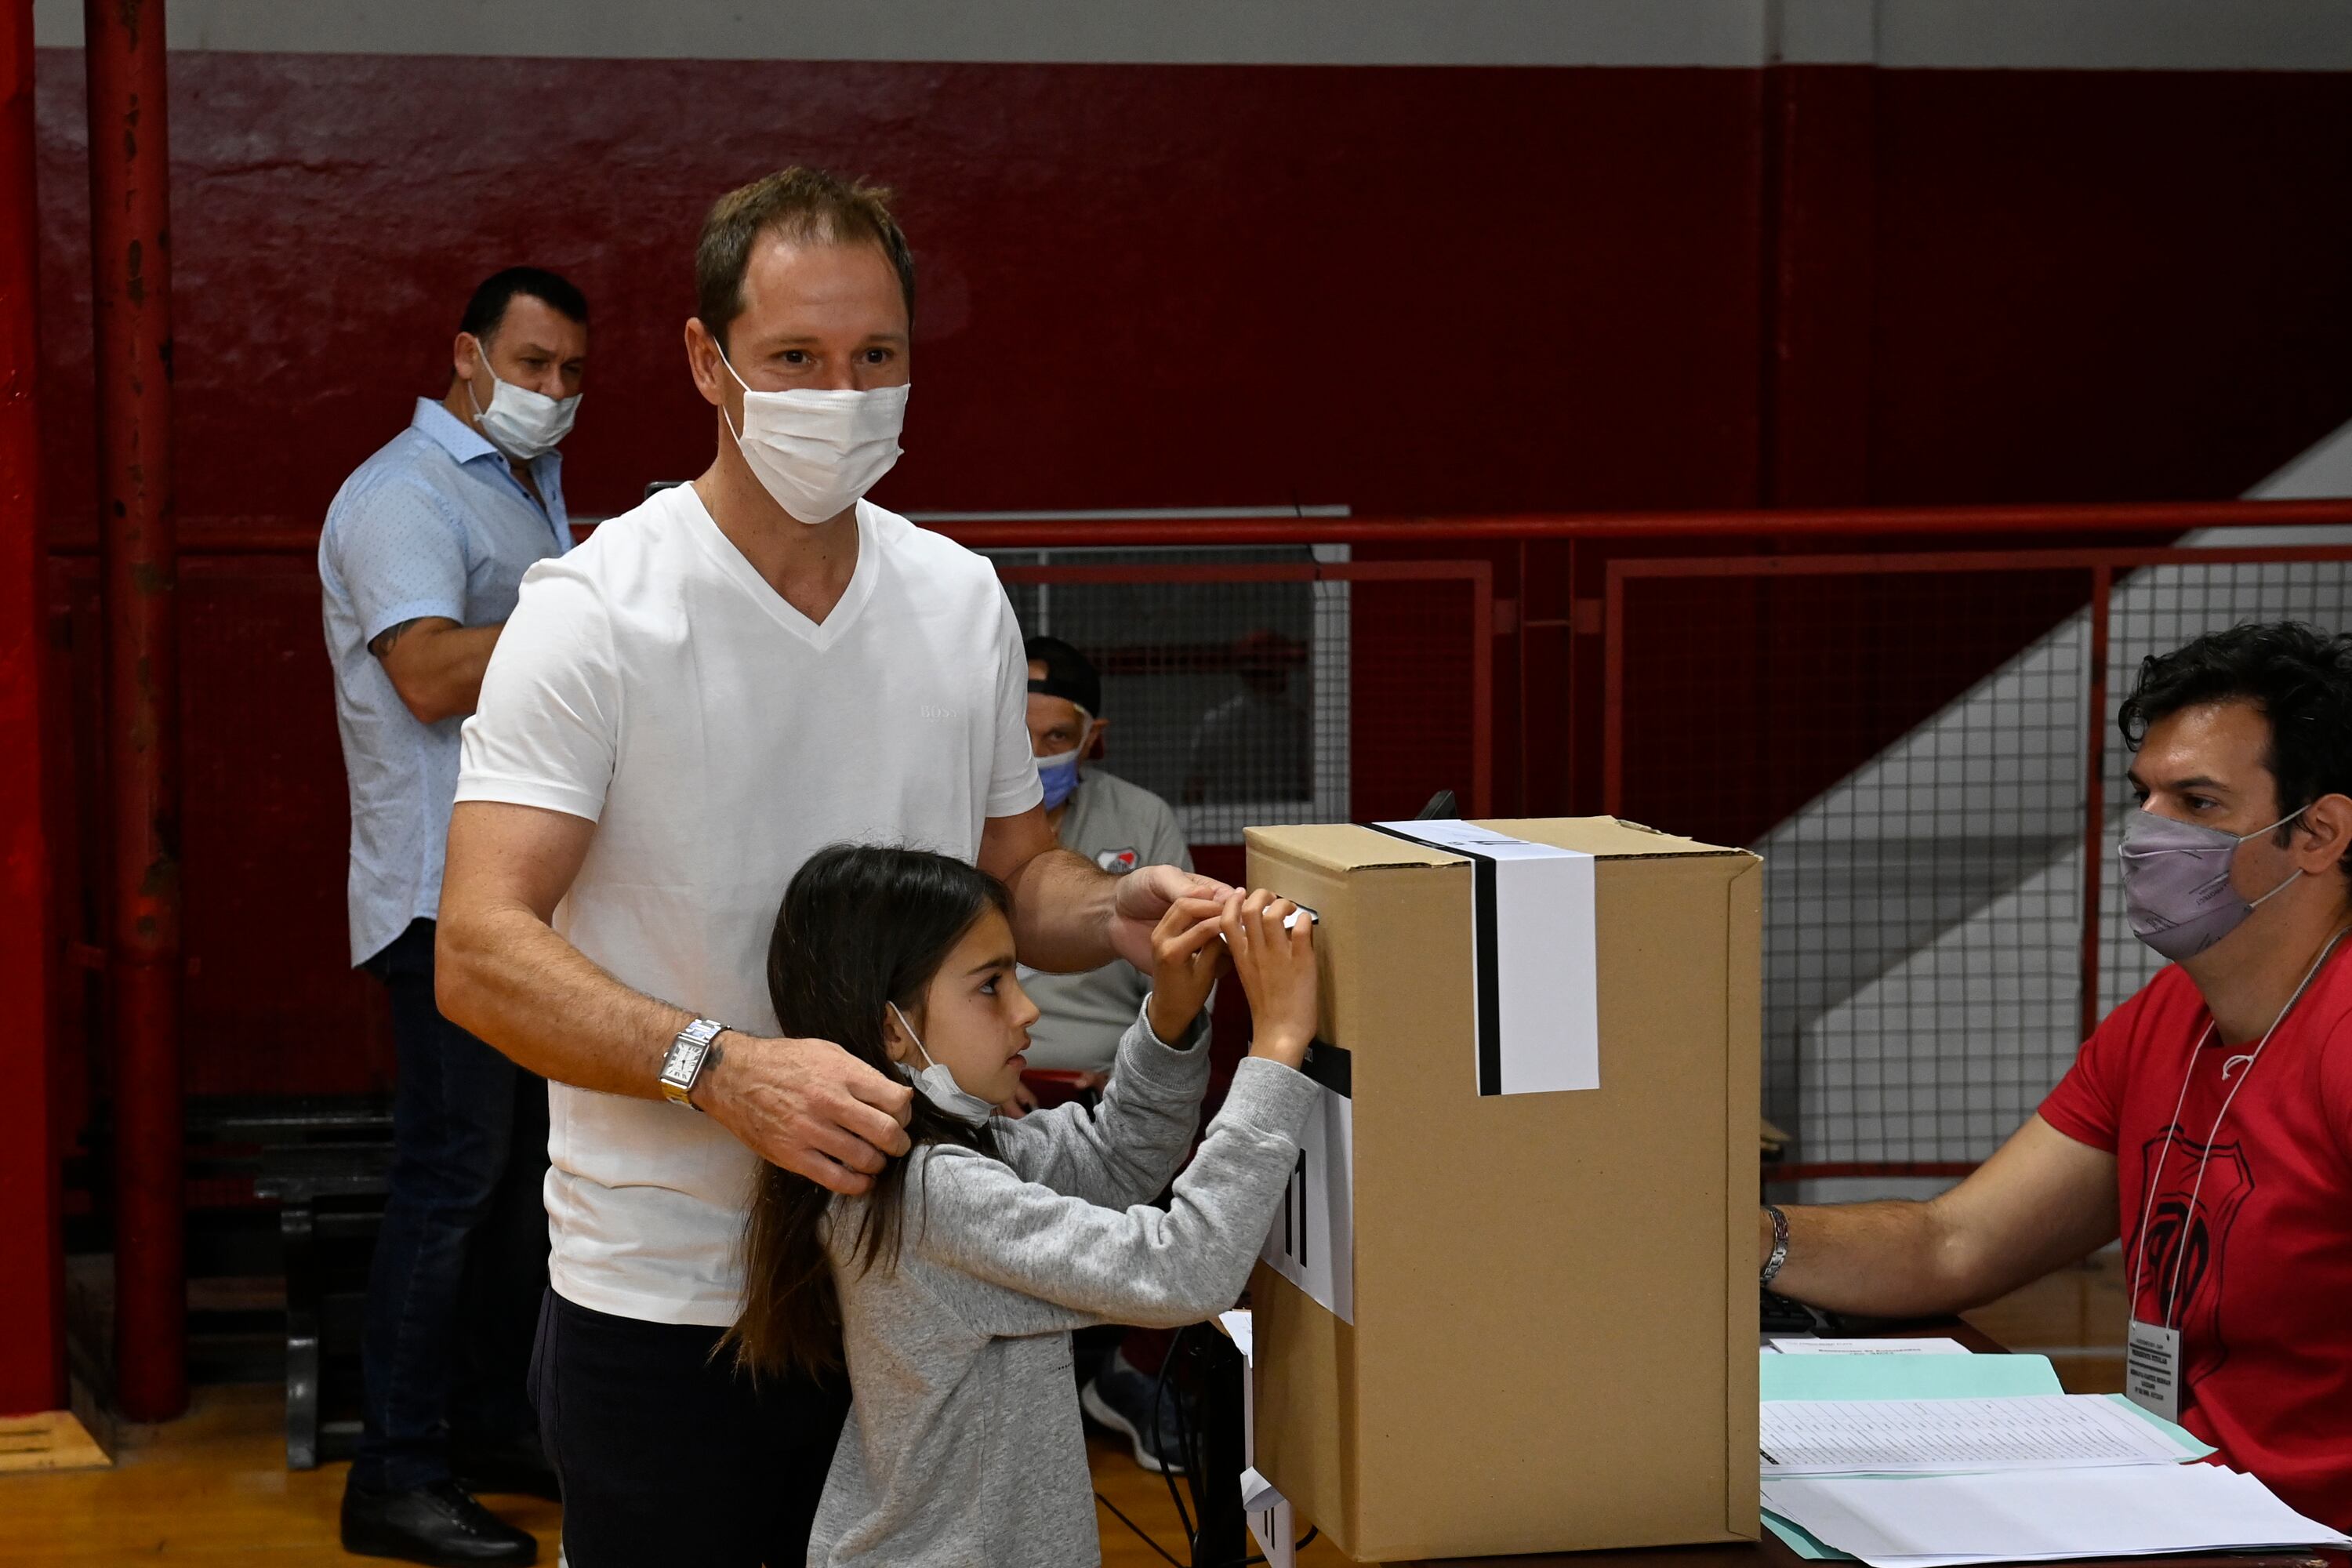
1277	971
1186	960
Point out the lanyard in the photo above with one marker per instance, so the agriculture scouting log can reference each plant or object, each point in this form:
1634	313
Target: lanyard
2169	1306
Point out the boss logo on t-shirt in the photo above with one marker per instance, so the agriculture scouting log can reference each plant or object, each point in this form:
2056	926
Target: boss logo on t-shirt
937	714
1116	861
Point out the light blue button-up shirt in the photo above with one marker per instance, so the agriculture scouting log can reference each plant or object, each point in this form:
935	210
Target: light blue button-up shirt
434	524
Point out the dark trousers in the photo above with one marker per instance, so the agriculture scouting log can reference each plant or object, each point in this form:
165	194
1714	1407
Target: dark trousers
453	1292
667	1453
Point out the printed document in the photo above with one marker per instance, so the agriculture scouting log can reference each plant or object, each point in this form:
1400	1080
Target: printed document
2026	1432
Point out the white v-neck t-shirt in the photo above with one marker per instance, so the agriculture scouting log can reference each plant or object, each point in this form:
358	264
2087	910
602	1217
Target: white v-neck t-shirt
653	682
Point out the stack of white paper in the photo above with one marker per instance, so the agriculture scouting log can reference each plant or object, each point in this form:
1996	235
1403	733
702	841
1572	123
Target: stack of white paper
2027	1432
2024	1516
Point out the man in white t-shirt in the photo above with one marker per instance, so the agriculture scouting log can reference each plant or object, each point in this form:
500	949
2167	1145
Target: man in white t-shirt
681	711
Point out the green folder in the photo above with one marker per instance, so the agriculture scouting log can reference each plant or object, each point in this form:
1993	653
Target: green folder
1803	1541
1905	1376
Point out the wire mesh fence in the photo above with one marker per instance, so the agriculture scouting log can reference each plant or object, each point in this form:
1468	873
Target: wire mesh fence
1256	686
2153	610
1926	973
1926	976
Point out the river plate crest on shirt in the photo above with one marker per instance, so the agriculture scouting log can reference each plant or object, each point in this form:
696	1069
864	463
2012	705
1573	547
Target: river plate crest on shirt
2186	1244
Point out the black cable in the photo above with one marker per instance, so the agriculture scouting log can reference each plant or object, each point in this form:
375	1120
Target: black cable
1188	1440
1184	1443
1189	1451
1139	1535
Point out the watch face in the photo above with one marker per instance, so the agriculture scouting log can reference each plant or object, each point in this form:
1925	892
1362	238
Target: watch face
681	1061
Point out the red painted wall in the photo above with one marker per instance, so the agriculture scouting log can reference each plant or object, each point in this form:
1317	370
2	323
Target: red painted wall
1403	290
1406	290
2106	286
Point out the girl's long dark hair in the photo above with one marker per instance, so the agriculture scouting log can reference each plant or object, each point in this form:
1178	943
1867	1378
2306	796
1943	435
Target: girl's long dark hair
862	927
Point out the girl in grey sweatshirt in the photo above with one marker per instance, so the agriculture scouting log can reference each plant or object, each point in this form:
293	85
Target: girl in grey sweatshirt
949	1289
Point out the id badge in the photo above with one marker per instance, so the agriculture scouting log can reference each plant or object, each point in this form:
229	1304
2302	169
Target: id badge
2152	1369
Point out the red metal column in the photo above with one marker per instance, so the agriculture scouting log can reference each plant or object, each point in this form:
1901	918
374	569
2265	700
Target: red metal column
130	167
32	1257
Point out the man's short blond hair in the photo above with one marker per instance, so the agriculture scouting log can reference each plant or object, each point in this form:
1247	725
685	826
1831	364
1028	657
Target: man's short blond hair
800	205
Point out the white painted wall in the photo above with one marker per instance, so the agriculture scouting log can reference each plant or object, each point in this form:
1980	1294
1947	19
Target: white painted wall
2323	472
2077	34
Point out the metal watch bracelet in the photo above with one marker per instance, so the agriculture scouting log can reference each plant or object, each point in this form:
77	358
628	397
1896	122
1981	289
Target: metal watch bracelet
684	1062
1772	1269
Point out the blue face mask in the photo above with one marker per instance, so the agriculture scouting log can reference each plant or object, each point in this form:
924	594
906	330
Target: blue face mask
1059	774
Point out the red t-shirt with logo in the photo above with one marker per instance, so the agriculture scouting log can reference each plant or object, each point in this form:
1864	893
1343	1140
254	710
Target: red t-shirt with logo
2263	1262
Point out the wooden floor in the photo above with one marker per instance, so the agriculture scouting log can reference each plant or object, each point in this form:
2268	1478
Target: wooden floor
212	1488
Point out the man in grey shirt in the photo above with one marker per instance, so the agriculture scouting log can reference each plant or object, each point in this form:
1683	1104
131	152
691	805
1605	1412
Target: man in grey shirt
1117	825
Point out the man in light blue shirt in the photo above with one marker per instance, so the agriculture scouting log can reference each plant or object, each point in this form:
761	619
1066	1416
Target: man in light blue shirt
421	560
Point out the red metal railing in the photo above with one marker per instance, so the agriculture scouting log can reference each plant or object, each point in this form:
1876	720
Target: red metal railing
1540	738
279	536
2100	566
2206	587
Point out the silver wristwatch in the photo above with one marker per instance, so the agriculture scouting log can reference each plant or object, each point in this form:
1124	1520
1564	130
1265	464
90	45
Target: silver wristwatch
683	1063
1772	1269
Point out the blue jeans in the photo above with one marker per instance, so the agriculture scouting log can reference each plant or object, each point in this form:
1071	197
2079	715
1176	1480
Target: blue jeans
454	1290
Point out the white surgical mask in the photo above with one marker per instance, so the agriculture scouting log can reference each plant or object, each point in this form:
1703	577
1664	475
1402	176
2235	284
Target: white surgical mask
818	452
521	423
938	1085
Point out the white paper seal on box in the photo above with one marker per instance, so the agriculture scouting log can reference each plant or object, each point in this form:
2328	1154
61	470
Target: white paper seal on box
1532	938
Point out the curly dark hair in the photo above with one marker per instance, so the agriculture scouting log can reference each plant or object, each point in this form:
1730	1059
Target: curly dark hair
2299	676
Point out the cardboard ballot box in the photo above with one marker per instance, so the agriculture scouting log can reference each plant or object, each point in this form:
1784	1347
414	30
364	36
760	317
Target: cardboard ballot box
1509	1305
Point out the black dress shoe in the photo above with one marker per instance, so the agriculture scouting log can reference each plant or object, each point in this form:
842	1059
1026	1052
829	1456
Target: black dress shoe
518	1466
438	1524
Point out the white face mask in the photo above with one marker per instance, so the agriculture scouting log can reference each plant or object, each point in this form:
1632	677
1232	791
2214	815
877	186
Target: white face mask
818	452
521	423
938	1085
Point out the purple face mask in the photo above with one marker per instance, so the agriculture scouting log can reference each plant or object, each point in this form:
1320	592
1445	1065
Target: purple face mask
2176	891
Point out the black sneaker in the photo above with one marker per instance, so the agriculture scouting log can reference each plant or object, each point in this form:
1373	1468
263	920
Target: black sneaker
1141	1409
438	1524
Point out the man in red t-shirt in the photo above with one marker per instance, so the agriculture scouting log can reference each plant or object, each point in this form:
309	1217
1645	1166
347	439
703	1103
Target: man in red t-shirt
2207	1123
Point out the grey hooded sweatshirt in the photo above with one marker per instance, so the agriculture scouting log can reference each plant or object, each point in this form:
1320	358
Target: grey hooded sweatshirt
963	1447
